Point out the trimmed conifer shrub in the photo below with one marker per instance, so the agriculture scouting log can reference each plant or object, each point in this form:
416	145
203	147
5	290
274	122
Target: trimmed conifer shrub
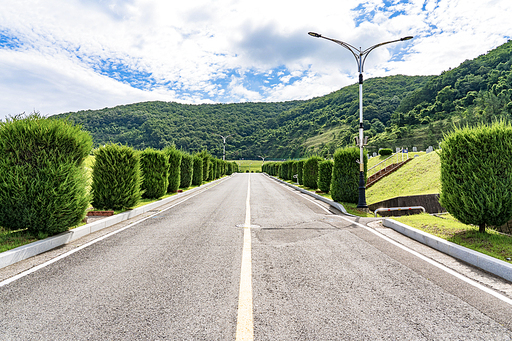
206	163
325	175
235	167
289	176
283	170
294	170
212	170
116	177
310	172
186	170
197	174
476	176
345	175
300	171
154	165
218	168
385	151
174	157
42	174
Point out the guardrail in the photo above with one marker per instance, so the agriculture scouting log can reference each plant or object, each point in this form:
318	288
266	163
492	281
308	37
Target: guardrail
389	209
383	164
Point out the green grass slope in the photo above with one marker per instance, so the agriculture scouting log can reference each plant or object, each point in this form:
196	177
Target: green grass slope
422	175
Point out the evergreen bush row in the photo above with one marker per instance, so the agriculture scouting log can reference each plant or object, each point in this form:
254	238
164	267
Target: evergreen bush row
340	178
476	174
43	178
43	186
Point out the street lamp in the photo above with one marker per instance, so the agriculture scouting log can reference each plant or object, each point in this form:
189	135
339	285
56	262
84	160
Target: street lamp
223	139
360	59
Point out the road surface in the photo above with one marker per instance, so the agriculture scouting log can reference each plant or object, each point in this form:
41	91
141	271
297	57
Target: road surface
247	259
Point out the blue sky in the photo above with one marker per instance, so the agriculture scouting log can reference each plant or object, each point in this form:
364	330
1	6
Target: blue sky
67	55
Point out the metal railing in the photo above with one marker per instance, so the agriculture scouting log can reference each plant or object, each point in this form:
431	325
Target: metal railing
389	209
384	163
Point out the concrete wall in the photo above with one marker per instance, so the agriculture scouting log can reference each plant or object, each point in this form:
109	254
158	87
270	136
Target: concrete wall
429	201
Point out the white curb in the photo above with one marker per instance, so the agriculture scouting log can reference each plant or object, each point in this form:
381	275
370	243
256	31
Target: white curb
490	264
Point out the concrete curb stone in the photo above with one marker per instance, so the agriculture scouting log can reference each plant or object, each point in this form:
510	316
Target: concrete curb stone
490	264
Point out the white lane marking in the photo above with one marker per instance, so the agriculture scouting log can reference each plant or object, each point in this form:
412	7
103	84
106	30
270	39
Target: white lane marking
244	324
419	255
64	255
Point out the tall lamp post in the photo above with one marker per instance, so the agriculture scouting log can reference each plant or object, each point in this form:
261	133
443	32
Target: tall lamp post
360	56
223	139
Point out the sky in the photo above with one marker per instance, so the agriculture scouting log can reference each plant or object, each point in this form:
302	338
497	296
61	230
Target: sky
60	56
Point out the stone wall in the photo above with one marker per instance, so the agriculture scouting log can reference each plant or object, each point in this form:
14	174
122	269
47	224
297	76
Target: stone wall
507	228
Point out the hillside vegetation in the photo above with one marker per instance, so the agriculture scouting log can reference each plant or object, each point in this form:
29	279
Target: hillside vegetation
399	111
421	175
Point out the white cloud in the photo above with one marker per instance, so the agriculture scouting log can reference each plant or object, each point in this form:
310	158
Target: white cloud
190	51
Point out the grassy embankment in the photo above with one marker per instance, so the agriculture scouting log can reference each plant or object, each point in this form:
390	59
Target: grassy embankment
252	166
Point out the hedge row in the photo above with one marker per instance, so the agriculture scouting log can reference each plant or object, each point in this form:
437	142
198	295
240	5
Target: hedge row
340	177
43	178
44	181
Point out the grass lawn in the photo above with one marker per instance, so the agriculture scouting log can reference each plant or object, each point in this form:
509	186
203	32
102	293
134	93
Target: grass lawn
491	243
248	165
12	239
422	175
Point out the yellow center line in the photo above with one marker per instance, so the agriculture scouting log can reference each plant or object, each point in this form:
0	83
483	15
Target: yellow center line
245	325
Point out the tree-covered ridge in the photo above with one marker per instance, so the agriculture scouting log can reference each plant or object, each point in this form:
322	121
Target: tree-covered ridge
398	111
189	127
337	113
479	90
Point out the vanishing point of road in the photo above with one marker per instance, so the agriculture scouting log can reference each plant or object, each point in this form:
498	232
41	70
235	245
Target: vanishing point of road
246	259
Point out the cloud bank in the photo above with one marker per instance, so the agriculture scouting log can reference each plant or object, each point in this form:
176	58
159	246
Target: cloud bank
59	56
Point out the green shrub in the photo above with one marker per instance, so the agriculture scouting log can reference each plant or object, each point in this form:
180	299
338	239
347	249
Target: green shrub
229	168
284	170
212	170
186	170
385	151
300	171
345	175
197	174
235	167
43	179
218	168
116	177
325	175
289	176
476	174
294	171
174	157
206	163
310	172
154	165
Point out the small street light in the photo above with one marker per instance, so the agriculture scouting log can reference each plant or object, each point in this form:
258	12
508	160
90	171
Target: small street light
360	59
223	139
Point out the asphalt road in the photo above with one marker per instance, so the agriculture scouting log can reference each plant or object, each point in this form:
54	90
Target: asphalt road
315	276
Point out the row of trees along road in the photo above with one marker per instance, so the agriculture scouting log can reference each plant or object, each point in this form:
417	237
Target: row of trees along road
44	181
476	174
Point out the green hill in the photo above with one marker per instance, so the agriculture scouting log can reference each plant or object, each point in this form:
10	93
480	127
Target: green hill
399	111
421	175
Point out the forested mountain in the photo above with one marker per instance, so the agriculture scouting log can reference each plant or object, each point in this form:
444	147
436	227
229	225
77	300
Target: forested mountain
398	111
